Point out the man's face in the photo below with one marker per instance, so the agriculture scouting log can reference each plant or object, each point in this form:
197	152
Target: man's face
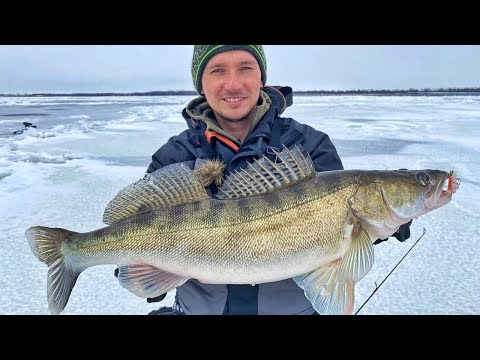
231	83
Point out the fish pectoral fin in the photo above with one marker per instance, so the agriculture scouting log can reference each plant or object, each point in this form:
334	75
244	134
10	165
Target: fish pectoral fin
359	258
330	289
328	293
147	281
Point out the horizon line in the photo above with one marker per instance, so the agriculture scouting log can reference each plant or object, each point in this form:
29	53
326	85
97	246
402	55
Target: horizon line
192	92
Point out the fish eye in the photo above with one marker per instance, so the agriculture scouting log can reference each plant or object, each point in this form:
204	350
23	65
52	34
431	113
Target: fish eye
422	177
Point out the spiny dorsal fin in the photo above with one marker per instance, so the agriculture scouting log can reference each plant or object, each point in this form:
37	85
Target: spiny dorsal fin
264	176
170	185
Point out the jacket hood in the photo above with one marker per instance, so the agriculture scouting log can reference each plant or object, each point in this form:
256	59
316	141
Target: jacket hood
281	96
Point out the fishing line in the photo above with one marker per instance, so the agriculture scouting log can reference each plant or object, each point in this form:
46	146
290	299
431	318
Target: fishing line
378	286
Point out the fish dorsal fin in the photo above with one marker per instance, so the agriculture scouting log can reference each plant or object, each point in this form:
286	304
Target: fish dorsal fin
170	185
264	176
147	281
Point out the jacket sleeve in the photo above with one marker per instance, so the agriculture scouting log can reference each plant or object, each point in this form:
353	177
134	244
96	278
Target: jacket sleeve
321	149
177	149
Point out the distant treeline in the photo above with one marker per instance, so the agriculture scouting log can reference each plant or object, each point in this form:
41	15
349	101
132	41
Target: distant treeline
425	92
146	93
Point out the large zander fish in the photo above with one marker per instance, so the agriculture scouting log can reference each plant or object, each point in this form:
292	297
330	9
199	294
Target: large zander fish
268	222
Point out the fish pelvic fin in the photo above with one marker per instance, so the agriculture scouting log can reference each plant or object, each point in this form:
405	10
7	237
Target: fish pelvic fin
328	294
46	244
170	185
331	288
264	175
147	281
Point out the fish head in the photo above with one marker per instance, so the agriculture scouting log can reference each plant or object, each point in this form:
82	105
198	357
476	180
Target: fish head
411	193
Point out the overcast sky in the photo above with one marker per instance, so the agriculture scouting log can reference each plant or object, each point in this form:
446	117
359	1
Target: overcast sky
125	68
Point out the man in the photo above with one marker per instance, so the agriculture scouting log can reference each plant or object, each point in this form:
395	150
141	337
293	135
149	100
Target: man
237	118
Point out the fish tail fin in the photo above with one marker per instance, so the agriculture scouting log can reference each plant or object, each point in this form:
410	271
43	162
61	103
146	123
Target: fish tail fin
46	244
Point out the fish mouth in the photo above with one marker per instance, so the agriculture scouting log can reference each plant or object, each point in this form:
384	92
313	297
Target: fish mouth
450	185
443	192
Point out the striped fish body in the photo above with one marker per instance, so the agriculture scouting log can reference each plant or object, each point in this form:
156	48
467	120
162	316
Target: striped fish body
252	240
269	222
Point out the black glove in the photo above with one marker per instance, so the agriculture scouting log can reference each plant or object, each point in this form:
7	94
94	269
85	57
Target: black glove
402	234
157	299
165	311
149	300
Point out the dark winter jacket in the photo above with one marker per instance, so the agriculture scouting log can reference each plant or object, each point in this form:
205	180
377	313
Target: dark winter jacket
205	139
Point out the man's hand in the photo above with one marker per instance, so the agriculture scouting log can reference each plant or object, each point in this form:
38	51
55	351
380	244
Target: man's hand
402	234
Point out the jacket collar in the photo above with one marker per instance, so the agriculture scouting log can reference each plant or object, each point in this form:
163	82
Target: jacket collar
273	101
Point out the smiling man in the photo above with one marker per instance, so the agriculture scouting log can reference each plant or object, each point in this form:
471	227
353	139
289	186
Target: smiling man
237	119
231	83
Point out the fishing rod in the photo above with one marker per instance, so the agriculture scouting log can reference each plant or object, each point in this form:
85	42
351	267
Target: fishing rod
386	277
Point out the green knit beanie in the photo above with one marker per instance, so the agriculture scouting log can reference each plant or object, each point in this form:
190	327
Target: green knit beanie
203	53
